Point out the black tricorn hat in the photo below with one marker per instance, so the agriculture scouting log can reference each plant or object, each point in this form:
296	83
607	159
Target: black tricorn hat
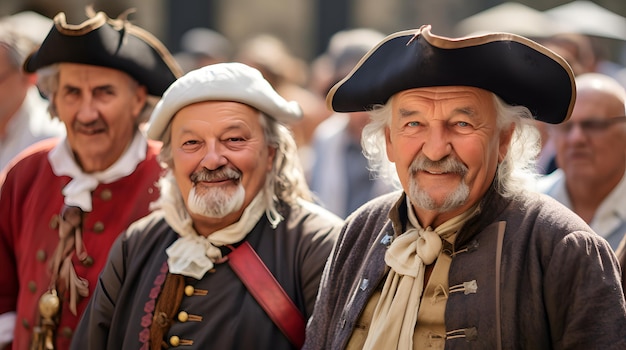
112	43
517	69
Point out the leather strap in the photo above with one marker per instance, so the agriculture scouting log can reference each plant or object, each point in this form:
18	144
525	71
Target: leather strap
268	292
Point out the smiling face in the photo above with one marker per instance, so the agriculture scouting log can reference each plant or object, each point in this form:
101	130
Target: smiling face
446	146
220	160
99	107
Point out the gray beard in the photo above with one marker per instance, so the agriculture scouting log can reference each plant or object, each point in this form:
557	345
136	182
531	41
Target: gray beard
420	198
215	202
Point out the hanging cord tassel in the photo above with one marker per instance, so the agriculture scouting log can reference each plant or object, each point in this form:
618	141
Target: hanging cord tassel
64	279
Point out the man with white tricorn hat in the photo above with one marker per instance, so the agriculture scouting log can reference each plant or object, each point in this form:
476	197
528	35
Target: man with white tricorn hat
233	192
465	257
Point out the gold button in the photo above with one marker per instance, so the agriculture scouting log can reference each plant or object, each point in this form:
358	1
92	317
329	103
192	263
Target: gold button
67	332
32	286
54	222
41	255
88	261
212	271
106	194
174	340
183	316
189	290
25	323
98	227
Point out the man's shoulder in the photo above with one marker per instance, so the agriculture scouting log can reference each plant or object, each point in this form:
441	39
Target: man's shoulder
378	206
314	211
155	220
33	158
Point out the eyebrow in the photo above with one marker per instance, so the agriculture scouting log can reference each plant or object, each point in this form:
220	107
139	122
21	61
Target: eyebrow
404	113
68	86
469	111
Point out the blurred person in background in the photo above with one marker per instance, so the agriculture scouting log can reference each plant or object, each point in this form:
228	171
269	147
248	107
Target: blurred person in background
340	177
576	49
288	74
64	201
200	47
24	117
591	156
232	185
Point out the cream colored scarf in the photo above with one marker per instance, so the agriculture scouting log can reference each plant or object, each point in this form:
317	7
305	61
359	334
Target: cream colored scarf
395	316
193	254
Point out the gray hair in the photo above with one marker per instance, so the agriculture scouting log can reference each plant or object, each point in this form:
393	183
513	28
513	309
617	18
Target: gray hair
48	83
514	174
286	181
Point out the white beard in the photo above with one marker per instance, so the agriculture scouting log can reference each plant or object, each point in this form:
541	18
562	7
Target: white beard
215	202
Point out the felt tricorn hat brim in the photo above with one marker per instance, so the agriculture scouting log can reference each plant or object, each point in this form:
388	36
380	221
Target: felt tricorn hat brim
112	43
517	69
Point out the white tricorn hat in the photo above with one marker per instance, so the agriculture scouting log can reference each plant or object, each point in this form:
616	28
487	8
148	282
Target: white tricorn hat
221	82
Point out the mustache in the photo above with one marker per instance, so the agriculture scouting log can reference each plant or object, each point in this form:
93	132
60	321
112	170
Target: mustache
448	164
95	124
212	175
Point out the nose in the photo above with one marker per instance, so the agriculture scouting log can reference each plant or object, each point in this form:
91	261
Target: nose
436	145
87	112
214	157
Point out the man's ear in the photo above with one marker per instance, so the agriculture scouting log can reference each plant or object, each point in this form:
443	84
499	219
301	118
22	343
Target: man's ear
141	97
389	144
505	142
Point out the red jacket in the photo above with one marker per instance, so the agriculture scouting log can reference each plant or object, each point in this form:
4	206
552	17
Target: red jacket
30	200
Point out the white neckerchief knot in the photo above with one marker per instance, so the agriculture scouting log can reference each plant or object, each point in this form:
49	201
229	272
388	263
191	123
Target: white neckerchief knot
413	248
193	254
78	191
395	316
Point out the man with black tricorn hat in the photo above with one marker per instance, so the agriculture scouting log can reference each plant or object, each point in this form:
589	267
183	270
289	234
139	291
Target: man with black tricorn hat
465	257
63	202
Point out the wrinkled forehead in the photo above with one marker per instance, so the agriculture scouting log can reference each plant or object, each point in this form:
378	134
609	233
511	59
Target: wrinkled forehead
455	96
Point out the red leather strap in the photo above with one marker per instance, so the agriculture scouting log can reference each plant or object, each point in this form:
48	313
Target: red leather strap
268	292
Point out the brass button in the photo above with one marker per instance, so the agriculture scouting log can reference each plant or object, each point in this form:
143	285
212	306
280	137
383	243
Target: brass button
25	323
212	271
189	290
183	316
54	222
106	194
98	227
32	286
174	340
66	332
88	261
41	255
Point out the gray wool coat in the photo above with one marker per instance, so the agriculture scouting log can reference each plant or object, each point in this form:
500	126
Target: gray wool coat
545	280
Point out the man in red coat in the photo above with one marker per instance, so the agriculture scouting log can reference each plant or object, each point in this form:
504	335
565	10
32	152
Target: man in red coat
63	202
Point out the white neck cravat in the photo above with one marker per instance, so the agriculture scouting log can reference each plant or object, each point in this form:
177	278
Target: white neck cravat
78	191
